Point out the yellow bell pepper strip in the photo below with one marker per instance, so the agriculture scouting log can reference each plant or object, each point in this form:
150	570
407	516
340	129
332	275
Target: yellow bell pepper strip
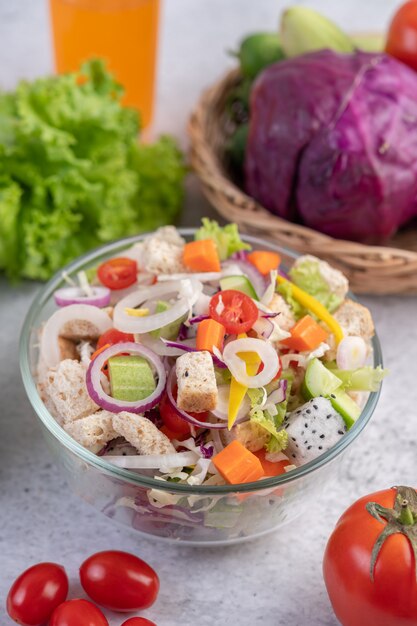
136	312
313	305
237	390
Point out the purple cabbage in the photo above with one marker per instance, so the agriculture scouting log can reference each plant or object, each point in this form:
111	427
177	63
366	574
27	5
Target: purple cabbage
333	143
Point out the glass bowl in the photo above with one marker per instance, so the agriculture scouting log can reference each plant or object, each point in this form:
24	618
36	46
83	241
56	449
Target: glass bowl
196	515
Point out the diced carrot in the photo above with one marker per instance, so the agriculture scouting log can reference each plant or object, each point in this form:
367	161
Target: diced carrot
269	467
237	465
209	334
97	352
264	260
305	335
201	256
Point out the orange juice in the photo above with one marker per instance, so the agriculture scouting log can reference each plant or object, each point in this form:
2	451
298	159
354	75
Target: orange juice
123	32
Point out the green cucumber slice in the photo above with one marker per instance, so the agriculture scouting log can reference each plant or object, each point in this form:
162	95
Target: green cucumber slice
319	381
343	404
170	331
131	378
239	283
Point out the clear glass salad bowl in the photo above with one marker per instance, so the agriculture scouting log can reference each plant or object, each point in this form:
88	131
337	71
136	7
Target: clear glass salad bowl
196	515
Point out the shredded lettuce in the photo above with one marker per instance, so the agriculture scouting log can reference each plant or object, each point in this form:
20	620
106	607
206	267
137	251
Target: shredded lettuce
272	424
227	238
297	309
73	174
306	275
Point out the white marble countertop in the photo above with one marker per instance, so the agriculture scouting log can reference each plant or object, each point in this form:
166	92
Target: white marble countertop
276	580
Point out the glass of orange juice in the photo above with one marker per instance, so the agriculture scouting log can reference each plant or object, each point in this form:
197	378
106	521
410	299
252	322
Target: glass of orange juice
122	32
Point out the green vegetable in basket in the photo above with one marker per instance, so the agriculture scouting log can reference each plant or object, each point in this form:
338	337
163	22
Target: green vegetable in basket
73	174
257	51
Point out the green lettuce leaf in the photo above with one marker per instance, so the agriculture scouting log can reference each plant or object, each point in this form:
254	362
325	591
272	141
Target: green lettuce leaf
272	424
307	276
227	238
73	175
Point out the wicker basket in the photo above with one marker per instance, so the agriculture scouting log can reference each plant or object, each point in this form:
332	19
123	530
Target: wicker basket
370	269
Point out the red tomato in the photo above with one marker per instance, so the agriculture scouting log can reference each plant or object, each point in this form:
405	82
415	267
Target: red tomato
119	581
402	35
113	336
172	420
138	621
391	598
78	613
36	593
118	273
235	310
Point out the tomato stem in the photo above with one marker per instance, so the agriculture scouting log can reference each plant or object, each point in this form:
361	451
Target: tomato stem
402	519
406	515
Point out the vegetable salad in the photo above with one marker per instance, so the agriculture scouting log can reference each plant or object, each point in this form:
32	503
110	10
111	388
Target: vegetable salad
204	362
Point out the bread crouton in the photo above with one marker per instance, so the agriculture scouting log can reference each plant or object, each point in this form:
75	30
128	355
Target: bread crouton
141	433
67	389
336	281
161	252
355	319
93	431
68	349
46	399
249	434
285	319
79	330
197	387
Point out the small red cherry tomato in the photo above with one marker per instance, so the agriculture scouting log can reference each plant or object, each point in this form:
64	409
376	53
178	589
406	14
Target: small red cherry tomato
402	35
113	336
172	420
78	613
235	310
119	581
36	593
118	273
138	621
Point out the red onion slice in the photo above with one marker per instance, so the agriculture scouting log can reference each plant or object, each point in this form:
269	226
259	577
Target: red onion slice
108	403
75	295
183	347
186	416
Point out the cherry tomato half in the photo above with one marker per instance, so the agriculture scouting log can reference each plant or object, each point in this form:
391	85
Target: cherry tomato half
78	613
235	310
138	621
113	336
402	35
119	581
36	593
118	273
173	421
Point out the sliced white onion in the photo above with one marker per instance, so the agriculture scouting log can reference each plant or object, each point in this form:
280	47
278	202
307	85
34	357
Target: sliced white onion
276	457
155	461
270	290
295	357
222	406
205	277
264	326
351	353
49	351
99	296
188	291
237	366
160	347
100	397
201	306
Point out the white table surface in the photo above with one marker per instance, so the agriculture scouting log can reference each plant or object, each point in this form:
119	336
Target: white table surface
274	581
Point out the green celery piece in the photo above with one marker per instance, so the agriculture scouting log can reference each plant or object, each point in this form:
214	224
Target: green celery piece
131	378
